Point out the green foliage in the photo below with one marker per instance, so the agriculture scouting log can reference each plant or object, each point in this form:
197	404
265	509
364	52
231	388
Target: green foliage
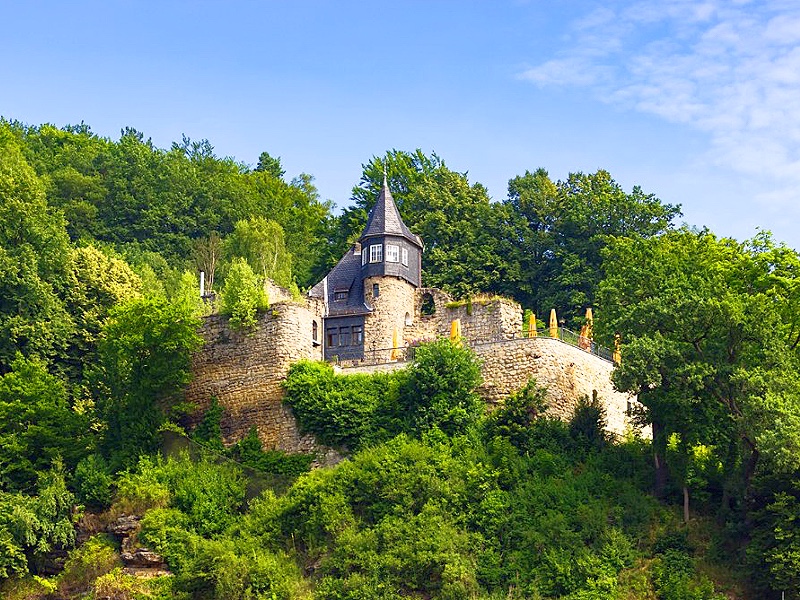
261	243
144	362
93	482
587	427
94	558
37	426
209	432
250	452
514	419
31	526
34	257
341	410
207	495
438	390
243	295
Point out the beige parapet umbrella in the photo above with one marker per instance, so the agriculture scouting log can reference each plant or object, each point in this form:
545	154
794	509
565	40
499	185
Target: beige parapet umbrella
455	331
589	324
553	323
532	326
617	355
395	353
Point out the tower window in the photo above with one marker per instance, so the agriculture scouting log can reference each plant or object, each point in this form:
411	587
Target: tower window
376	291
392	253
404	254
376	253
363	258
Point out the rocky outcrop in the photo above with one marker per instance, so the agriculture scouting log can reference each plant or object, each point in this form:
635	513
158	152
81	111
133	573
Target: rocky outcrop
136	559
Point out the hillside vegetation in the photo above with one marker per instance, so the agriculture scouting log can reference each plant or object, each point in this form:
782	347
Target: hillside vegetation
100	244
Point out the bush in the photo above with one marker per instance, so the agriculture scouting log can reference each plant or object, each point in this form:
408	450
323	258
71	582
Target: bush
97	556
92	482
340	410
243	295
438	389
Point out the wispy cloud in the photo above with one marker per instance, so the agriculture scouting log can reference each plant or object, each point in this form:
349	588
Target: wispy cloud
728	68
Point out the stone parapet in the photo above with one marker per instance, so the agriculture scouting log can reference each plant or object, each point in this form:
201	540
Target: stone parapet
566	372
245	371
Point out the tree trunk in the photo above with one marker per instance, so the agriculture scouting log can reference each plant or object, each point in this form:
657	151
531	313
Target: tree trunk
686	504
660	465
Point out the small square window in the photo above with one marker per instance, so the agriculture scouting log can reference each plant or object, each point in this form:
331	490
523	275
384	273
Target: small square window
404	254
392	253
376	253
339	296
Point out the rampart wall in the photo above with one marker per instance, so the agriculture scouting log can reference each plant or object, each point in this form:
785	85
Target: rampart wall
568	374
245	371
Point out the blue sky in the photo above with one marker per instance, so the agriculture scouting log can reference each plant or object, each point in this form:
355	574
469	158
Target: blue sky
697	102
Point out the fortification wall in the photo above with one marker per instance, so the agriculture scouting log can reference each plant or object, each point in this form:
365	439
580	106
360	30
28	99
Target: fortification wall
245	370
481	319
568	373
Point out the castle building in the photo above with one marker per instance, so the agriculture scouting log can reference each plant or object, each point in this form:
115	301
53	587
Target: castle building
361	316
368	298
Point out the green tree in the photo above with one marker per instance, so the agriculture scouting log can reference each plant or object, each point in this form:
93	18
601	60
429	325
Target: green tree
38	428
34	259
559	231
243	295
144	362
706	342
268	164
261	243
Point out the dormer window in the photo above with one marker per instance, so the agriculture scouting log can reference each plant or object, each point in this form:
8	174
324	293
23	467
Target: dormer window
339	295
392	253
376	253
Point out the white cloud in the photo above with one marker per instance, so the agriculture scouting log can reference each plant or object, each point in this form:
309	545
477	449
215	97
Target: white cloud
730	69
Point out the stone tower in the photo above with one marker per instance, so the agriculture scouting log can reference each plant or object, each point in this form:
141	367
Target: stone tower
369	295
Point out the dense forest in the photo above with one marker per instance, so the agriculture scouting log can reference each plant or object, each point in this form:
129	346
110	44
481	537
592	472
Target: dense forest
100	244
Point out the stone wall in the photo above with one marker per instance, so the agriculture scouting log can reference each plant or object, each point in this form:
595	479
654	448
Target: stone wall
245	371
568	373
482	319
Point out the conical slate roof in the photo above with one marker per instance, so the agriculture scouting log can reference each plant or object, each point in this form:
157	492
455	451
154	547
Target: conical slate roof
384	219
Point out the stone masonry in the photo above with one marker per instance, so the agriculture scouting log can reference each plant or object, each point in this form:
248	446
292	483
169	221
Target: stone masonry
244	370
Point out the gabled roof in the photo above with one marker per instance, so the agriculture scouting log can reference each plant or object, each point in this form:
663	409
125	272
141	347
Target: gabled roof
346	275
384	219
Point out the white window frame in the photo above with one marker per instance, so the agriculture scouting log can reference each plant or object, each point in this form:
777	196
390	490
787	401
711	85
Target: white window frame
392	253
376	253
404	256
363	258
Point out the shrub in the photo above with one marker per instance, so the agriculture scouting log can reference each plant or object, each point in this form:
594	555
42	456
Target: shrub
97	556
243	295
340	410
92	482
438	389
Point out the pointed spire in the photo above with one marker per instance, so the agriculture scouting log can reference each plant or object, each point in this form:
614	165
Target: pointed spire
384	218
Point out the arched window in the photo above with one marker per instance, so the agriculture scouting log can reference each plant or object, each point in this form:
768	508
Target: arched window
428	305
409	321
